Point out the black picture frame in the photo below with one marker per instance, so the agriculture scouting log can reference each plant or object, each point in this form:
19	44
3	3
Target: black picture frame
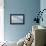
16	15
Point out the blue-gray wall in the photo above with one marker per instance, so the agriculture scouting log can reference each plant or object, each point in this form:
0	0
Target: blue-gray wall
27	7
43	6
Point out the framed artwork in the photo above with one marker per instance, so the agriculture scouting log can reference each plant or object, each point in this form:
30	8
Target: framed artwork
17	19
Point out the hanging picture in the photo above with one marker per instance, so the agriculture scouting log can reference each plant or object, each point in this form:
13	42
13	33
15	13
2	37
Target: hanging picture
17	19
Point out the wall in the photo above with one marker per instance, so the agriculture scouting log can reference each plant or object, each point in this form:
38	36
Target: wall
27	7
43	6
